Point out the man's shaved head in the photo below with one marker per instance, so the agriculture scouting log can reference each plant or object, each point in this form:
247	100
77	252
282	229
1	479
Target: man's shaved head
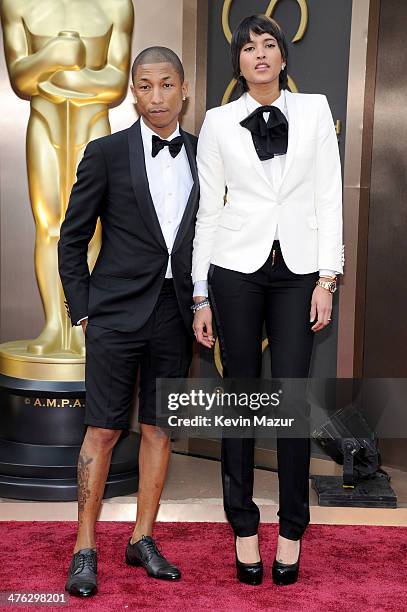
158	55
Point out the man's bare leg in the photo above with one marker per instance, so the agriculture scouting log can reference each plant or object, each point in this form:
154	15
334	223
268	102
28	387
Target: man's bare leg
93	468
155	448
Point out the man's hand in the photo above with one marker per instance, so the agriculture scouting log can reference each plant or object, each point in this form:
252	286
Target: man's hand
84	324
321	307
202	325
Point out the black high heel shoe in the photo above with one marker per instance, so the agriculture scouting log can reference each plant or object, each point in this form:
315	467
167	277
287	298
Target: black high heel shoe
284	573
249	573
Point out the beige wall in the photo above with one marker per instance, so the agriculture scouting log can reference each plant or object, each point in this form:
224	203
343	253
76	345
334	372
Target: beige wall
21	315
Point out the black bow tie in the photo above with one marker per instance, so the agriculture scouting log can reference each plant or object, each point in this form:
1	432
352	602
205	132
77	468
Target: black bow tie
269	138
174	145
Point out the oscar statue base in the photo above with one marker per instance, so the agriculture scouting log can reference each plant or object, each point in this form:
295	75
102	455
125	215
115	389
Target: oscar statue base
48	473
41	432
17	361
374	492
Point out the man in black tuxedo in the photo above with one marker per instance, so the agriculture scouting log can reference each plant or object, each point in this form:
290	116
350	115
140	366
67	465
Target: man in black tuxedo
135	306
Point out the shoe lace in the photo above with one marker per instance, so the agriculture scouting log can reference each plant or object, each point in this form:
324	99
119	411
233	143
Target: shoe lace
85	561
152	548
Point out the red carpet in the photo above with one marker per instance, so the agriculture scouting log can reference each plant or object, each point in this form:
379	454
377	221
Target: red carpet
342	568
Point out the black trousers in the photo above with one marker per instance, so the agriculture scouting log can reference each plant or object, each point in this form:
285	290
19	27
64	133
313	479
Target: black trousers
242	303
162	348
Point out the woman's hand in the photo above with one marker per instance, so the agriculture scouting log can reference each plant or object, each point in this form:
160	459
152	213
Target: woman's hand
321	307
202	325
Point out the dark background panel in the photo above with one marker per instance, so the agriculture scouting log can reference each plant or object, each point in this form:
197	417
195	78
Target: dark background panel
385	344
318	63
385	340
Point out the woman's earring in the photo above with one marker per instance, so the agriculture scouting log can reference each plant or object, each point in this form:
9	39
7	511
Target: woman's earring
282	66
184	98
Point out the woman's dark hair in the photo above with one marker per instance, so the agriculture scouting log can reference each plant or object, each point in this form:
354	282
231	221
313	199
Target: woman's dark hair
258	24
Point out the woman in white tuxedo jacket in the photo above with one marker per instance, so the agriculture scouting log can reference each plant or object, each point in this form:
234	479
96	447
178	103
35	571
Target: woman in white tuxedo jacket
270	250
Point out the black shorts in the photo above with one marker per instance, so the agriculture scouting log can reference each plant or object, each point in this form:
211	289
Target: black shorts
161	349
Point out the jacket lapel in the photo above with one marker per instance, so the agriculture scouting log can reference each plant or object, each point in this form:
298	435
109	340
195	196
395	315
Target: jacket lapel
140	184
246	140
191	207
293	132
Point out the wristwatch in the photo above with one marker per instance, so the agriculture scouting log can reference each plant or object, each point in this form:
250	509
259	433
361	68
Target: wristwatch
329	285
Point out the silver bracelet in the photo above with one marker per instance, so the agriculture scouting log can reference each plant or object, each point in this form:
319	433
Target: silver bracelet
200	305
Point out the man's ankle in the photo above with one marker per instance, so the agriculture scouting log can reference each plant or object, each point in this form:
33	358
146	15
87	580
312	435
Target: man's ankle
82	545
136	537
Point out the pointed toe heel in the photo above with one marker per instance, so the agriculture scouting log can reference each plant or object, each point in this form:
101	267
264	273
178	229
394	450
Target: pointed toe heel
284	574
249	573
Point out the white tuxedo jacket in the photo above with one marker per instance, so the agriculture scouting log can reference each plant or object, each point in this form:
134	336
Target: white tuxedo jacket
306	204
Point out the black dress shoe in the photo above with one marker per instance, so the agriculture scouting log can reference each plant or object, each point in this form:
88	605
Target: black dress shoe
249	573
286	573
145	553
82	573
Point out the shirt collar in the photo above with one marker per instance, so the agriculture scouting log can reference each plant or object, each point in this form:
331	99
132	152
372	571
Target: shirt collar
147	133
280	103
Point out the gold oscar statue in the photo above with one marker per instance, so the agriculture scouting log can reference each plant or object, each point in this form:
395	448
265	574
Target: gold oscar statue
70	58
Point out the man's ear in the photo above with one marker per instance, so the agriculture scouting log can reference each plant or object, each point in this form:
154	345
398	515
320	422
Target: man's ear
185	89
133	91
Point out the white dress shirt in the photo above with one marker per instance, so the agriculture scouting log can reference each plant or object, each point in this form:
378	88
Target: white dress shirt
170	182
274	168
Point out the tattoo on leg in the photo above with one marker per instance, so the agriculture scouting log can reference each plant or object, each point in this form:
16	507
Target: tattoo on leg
83	480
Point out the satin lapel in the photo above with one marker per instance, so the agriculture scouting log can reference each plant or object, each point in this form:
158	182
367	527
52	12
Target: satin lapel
140	184
247	140
191	207
293	132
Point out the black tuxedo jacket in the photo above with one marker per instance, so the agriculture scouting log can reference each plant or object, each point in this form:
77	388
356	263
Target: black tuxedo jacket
122	290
